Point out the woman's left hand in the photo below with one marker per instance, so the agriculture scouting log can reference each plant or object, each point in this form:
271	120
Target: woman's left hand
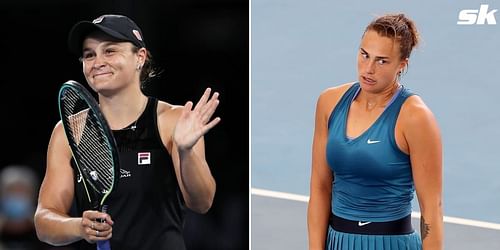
195	123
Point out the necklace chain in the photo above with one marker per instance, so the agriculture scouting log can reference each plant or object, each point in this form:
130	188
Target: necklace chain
133	127
372	105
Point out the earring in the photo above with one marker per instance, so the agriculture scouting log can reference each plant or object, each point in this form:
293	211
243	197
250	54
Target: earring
139	67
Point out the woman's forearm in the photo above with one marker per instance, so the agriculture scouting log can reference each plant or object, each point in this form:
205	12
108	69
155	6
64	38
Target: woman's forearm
317	219
56	228
431	230
198	181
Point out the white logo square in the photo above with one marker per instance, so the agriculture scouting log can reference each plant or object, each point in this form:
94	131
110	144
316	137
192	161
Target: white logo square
144	158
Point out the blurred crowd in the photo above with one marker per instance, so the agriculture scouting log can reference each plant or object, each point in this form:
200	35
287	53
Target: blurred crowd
19	185
18	198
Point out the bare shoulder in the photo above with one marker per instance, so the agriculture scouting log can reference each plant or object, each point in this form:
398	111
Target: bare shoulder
329	98
336	91
415	111
58	137
58	128
167	114
169	111
418	123
59	152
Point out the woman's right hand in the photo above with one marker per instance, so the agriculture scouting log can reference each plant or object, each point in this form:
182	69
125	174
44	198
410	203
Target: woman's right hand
96	226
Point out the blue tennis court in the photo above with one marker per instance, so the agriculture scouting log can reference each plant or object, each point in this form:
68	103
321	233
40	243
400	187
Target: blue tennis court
300	48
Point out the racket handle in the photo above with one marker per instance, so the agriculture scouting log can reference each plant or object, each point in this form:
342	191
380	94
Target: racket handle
104	208
103	245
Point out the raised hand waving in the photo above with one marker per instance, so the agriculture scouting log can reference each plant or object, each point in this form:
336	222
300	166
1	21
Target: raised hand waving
194	123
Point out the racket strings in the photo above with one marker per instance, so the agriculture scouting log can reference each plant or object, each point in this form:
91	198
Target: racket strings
90	143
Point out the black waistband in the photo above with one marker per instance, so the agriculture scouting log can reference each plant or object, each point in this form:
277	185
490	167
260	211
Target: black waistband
396	227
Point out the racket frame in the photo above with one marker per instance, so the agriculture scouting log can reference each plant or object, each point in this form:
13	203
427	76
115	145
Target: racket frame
94	106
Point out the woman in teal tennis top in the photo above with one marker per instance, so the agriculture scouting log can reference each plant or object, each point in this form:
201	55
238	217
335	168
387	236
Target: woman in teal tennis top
375	144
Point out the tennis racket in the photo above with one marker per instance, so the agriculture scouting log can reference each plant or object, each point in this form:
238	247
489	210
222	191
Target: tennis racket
92	145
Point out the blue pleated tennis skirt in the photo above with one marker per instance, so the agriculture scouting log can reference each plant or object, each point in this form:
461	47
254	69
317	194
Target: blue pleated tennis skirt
346	241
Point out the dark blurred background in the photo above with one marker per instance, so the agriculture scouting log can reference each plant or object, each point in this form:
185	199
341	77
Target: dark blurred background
197	44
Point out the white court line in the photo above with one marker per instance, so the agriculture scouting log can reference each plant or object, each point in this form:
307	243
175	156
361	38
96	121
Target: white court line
446	219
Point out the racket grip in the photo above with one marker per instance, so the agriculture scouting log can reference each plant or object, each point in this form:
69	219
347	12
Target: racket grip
103	245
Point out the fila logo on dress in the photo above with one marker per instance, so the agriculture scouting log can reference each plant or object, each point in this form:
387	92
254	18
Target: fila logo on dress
144	158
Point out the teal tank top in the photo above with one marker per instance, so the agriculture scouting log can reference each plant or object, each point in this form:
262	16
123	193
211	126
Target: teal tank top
372	176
